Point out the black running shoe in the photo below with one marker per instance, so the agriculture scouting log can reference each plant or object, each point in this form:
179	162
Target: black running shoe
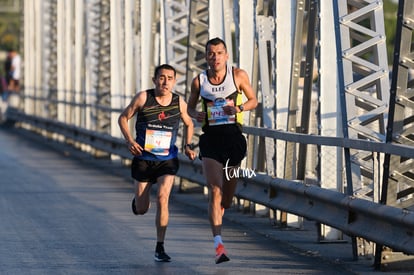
134	209
161	257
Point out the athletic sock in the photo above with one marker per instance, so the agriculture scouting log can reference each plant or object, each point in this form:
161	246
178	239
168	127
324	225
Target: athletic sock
217	240
160	247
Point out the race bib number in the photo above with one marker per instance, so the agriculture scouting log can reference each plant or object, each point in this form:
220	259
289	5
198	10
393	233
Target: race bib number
158	142
216	114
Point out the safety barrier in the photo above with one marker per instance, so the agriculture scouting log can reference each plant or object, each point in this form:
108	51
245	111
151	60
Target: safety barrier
386	225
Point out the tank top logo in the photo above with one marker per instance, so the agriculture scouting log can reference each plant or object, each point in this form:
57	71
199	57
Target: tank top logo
218	89
162	116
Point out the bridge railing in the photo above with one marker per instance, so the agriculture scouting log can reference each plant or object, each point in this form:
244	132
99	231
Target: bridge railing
382	224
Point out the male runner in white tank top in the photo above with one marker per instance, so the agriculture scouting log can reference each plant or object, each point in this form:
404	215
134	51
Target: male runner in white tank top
222	143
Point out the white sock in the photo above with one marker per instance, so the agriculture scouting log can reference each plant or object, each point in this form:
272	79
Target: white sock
217	240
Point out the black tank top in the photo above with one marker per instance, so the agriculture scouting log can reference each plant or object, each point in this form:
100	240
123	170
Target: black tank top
156	128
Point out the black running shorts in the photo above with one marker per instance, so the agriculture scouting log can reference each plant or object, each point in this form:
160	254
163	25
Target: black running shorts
224	148
149	171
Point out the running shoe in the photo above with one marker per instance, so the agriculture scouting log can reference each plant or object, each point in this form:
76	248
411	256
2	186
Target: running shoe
221	254
134	209
161	257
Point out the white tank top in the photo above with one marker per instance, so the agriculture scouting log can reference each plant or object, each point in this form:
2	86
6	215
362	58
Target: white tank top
215	96
211	91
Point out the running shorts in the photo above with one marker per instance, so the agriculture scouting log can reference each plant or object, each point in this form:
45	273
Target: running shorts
229	150
149	171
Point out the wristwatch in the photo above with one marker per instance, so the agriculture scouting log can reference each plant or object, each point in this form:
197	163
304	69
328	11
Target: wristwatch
241	107
190	145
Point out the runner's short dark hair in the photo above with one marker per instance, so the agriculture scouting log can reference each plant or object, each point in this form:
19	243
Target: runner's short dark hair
215	41
166	67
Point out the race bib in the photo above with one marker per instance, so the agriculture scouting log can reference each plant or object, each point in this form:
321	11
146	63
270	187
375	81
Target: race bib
216	114
158	142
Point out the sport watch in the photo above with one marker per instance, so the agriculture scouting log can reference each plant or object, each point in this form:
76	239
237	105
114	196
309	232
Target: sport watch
190	145
241	107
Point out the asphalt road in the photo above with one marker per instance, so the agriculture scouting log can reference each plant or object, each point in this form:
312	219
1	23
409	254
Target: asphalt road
66	213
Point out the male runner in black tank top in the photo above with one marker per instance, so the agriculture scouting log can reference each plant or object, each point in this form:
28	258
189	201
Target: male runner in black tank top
158	113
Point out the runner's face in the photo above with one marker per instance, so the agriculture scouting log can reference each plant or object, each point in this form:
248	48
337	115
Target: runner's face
216	57
165	81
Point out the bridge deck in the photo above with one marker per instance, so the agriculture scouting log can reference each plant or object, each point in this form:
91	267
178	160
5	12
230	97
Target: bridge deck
64	212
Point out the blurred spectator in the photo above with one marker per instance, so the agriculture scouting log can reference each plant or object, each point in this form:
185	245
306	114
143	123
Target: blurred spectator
7	67
5	79
15	71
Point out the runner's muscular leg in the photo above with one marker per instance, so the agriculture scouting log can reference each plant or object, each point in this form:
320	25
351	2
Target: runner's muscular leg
229	187
214	175
142	197
165	184
237	153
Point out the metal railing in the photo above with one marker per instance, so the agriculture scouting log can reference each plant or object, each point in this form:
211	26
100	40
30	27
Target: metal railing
386	225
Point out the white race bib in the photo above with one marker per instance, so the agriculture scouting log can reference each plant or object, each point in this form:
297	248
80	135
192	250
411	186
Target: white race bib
158	142
216	114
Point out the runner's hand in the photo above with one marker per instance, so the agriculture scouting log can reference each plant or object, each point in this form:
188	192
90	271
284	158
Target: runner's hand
201	116
135	148
190	153
229	110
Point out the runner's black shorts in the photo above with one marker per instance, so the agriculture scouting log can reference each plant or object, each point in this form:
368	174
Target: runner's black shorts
149	171
227	149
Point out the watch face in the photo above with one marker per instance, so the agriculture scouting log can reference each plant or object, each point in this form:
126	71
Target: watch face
241	108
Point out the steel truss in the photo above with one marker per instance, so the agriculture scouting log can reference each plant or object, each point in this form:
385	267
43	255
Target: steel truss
398	179
364	85
176	13
51	55
103	85
197	38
